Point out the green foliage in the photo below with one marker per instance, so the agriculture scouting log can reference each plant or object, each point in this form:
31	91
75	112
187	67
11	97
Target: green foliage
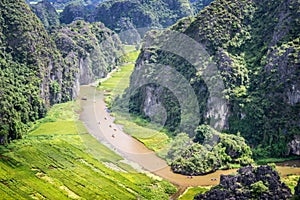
178	146
47	14
93	48
128	16
69	163
203	133
258	188
257	54
291	181
217	150
31	69
192	191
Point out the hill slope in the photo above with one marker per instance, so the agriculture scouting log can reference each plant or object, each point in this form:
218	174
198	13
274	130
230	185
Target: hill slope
31	70
255	49
36	74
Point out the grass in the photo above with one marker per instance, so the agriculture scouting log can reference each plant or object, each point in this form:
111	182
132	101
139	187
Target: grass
59	160
190	193
265	161
115	86
118	81
151	138
291	181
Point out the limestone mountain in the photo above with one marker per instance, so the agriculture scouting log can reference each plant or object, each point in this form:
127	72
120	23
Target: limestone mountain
138	16
91	49
39	70
31	70
252	87
47	13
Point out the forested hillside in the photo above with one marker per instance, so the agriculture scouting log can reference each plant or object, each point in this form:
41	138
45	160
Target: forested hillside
47	14
135	17
31	69
255	48
38	70
92	49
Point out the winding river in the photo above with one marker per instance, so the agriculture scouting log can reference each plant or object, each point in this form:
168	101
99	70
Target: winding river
93	112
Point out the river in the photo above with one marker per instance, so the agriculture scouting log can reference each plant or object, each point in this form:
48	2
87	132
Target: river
93	112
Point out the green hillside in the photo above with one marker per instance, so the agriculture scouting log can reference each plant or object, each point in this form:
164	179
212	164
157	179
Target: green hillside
255	49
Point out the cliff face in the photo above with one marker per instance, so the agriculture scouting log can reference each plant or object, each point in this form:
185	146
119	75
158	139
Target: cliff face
92	50
255	49
31	69
47	13
36	74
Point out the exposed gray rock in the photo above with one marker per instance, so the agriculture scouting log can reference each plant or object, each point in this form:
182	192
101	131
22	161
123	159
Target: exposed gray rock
294	146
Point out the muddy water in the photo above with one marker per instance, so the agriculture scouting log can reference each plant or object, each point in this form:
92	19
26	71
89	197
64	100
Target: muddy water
93	112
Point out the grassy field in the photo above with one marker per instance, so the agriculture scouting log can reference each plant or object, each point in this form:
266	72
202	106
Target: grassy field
58	159
275	160
153	139
115	85
192	191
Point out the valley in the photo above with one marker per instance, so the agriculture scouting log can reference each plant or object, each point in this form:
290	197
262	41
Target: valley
149	99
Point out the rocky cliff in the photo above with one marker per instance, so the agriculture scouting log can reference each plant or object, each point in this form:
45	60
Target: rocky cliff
92	50
250	183
47	13
241	61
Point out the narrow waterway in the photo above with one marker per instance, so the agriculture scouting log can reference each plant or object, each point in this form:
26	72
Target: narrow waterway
101	125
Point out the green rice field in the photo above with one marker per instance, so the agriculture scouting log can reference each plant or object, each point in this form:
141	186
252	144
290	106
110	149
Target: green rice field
58	159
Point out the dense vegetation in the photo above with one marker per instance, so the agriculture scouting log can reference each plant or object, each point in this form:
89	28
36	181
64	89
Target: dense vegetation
30	68
58	159
90	50
250	183
47	14
133	17
255	46
209	151
39	70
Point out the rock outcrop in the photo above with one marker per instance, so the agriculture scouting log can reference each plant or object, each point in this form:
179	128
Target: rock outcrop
250	183
294	146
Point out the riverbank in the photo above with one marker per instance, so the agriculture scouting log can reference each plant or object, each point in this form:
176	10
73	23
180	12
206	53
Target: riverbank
154	140
94	111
